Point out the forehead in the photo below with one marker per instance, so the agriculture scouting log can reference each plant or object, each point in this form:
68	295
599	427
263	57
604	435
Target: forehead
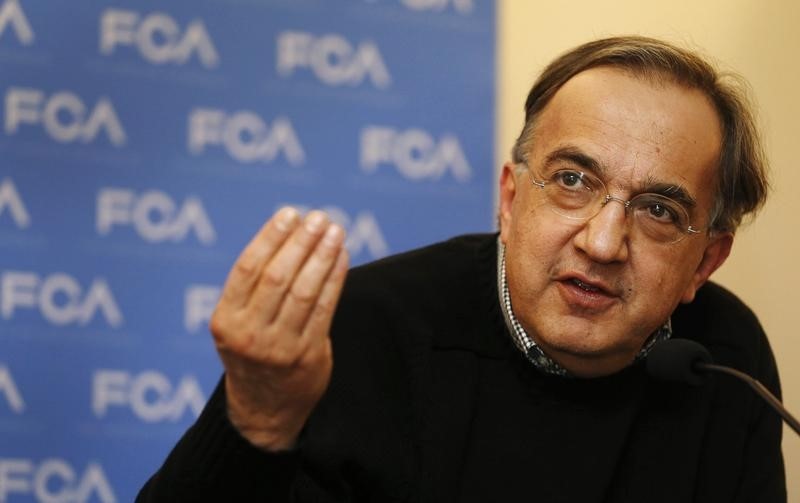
635	128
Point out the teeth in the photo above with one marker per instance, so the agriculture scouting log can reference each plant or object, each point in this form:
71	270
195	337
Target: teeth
588	288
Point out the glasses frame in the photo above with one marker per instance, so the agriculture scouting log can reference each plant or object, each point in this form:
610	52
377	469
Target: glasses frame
684	232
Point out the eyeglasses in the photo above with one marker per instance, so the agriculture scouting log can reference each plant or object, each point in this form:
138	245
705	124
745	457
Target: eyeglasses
580	196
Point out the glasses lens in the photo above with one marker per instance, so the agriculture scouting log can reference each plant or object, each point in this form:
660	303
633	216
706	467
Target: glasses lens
574	194
580	196
659	217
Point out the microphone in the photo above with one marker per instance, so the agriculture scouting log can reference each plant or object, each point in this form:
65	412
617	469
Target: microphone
688	362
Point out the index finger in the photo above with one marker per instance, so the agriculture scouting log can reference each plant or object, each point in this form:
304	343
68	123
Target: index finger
247	268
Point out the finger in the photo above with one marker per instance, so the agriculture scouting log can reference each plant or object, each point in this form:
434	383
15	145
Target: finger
279	273
246	270
319	321
307	286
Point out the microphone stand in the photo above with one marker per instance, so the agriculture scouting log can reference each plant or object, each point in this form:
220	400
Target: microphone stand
758	388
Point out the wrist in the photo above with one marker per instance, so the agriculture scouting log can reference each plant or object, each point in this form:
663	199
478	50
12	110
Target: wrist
266	434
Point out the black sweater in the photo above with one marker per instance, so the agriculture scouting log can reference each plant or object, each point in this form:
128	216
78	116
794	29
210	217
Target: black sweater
430	401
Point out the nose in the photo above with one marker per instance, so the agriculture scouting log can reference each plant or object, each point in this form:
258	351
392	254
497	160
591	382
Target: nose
604	238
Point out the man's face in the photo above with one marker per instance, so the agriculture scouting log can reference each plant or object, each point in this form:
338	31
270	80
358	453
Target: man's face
590	292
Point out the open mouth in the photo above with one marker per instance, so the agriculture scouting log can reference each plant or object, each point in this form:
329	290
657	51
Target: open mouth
586	286
586	296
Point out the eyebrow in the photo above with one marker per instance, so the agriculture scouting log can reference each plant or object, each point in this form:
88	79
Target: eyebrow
675	192
576	156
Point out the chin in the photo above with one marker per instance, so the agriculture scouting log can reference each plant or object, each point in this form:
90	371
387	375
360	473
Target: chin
578	341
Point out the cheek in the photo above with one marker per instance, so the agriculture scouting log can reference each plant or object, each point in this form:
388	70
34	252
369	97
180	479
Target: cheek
535	226
662	279
533	249
533	239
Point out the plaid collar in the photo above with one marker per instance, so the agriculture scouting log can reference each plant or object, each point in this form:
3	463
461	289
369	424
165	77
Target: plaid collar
529	348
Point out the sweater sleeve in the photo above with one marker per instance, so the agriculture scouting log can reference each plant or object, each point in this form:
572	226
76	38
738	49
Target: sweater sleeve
212	462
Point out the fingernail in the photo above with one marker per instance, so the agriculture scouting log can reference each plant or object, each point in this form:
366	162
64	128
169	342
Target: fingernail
333	236
314	221
285	218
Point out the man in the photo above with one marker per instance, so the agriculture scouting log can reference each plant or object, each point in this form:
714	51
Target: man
503	368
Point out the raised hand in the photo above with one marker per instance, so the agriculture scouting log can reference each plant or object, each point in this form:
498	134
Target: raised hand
271	325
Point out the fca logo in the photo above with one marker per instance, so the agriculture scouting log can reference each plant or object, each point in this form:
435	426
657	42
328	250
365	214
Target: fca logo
157	36
150	395
414	153
59	298
53	480
332	59
10	391
11	204
65	117
11	14
153	215
244	135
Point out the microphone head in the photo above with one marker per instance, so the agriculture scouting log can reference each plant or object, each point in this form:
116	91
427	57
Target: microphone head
677	360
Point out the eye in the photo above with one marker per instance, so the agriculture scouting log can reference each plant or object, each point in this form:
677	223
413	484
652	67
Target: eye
660	210
571	180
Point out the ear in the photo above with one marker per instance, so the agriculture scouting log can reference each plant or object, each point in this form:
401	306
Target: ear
508	190
717	250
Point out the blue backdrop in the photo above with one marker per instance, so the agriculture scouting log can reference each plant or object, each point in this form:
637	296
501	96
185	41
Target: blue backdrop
144	142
